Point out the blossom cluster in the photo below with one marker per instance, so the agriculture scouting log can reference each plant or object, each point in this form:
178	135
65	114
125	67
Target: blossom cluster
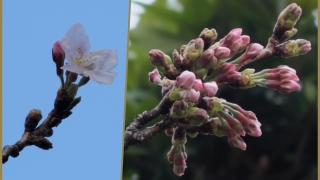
194	74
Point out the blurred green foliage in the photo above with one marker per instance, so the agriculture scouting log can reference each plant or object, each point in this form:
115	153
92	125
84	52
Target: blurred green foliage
287	148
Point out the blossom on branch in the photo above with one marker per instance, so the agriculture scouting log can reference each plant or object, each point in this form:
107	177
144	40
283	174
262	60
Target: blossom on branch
96	64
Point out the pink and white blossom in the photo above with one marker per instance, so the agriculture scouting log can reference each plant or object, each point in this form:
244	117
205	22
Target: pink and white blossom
96	64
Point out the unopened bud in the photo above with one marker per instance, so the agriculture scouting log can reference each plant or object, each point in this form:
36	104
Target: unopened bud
155	77
221	52
193	51
72	77
32	120
207	60
84	80
210	88
178	109
208	36
185	80
158	58
196	116
58	57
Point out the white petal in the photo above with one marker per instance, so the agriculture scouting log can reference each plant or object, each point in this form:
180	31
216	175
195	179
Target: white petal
101	77
104	60
76	42
73	68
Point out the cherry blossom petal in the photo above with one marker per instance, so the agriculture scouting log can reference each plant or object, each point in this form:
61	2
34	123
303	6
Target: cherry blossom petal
101	77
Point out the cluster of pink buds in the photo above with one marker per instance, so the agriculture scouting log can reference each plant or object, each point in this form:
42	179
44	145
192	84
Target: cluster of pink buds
193	75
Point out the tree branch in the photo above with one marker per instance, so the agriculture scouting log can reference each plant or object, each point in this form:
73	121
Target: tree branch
62	109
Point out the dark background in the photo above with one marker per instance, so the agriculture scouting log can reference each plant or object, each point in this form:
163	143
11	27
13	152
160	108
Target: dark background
287	149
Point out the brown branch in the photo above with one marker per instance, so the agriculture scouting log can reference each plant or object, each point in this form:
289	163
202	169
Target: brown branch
143	136
133	135
62	109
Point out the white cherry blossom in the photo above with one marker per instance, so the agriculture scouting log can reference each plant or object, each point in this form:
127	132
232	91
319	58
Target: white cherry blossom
96	64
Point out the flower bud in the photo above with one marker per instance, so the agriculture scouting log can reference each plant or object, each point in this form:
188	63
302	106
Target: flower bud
183	48
237	141
171	154
155	77
210	88
245	41
58	57
216	127
177	59
178	109
221	52
292	48
304	46
72	77
289	16
83	81
193	51
247	118
191	96
223	68
42	143
232	36
234	124
288	86
196	116
185	80
253	50
179	166
233	138
158	58
207	60
229	77
32	119
208	36
198	86
288	34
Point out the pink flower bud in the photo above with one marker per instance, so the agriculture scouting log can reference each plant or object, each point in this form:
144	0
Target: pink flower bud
179	166
288	86
171	154
234	124
57	52
233	35
221	52
233	138
245	41
198	86
207	60
210	88
235	47
191	96
237	141
185	80
289	16
226	67
253	50
228	77
253	128
58	57
155	77
158	58
285	86
304	46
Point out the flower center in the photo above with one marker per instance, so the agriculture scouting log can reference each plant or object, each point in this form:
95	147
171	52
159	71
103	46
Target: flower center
82	59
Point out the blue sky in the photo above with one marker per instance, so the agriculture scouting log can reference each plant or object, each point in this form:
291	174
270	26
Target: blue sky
88	144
